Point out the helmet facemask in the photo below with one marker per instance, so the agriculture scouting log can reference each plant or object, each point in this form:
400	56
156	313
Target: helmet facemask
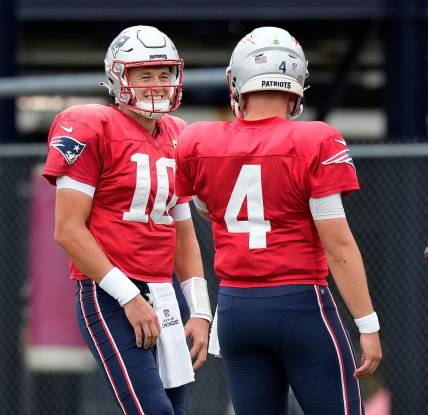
152	105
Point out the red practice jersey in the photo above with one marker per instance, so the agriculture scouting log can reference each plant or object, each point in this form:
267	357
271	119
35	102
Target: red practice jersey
134	178
256	178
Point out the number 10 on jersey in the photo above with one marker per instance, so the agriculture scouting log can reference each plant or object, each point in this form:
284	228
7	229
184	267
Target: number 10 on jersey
248	185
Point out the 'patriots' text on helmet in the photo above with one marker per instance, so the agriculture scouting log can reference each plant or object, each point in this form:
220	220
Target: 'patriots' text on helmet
267	59
142	46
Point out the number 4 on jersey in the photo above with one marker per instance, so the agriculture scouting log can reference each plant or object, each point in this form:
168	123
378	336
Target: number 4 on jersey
248	185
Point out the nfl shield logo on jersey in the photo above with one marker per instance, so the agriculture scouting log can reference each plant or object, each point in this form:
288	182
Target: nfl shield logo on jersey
69	147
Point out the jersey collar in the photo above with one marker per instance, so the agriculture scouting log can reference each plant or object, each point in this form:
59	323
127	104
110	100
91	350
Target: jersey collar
257	123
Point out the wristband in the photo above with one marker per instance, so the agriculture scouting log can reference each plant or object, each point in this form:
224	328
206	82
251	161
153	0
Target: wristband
368	324
119	286
196	294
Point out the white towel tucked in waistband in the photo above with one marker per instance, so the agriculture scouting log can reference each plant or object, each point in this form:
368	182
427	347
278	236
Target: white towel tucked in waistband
172	352
213	344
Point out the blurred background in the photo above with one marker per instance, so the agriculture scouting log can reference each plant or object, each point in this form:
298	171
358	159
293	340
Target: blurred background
368	77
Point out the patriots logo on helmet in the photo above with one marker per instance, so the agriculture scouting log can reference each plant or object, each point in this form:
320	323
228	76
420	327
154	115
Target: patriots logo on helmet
118	43
343	156
69	147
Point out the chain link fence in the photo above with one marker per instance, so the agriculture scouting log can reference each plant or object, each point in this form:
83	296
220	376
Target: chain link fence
45	369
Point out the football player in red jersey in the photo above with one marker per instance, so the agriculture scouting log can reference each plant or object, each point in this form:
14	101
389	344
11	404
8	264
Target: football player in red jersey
272	188
118	219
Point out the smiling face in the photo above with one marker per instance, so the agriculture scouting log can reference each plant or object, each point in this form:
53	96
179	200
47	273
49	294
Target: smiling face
151	83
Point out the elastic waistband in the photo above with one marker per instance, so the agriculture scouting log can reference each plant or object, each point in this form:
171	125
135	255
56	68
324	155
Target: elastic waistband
274	291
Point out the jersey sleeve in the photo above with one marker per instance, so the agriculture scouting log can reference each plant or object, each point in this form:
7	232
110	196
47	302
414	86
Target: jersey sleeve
332	169
73	151
183	176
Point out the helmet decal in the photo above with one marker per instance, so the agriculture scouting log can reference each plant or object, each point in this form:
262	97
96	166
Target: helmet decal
118	43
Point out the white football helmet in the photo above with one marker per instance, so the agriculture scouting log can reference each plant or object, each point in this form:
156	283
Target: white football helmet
267	59
139	46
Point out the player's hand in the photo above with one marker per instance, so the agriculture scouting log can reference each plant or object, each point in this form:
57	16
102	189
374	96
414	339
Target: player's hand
144	320
197	329
371	354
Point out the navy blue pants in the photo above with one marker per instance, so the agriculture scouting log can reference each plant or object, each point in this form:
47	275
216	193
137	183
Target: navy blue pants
131	372
274	337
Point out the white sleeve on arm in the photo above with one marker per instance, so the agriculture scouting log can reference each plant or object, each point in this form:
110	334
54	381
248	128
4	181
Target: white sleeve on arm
180	212
327	207
65	182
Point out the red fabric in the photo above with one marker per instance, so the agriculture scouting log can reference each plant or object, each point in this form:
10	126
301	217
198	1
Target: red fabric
210	158
142	249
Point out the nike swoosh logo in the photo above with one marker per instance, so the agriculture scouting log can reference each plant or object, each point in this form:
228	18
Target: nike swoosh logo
69	130
341	142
